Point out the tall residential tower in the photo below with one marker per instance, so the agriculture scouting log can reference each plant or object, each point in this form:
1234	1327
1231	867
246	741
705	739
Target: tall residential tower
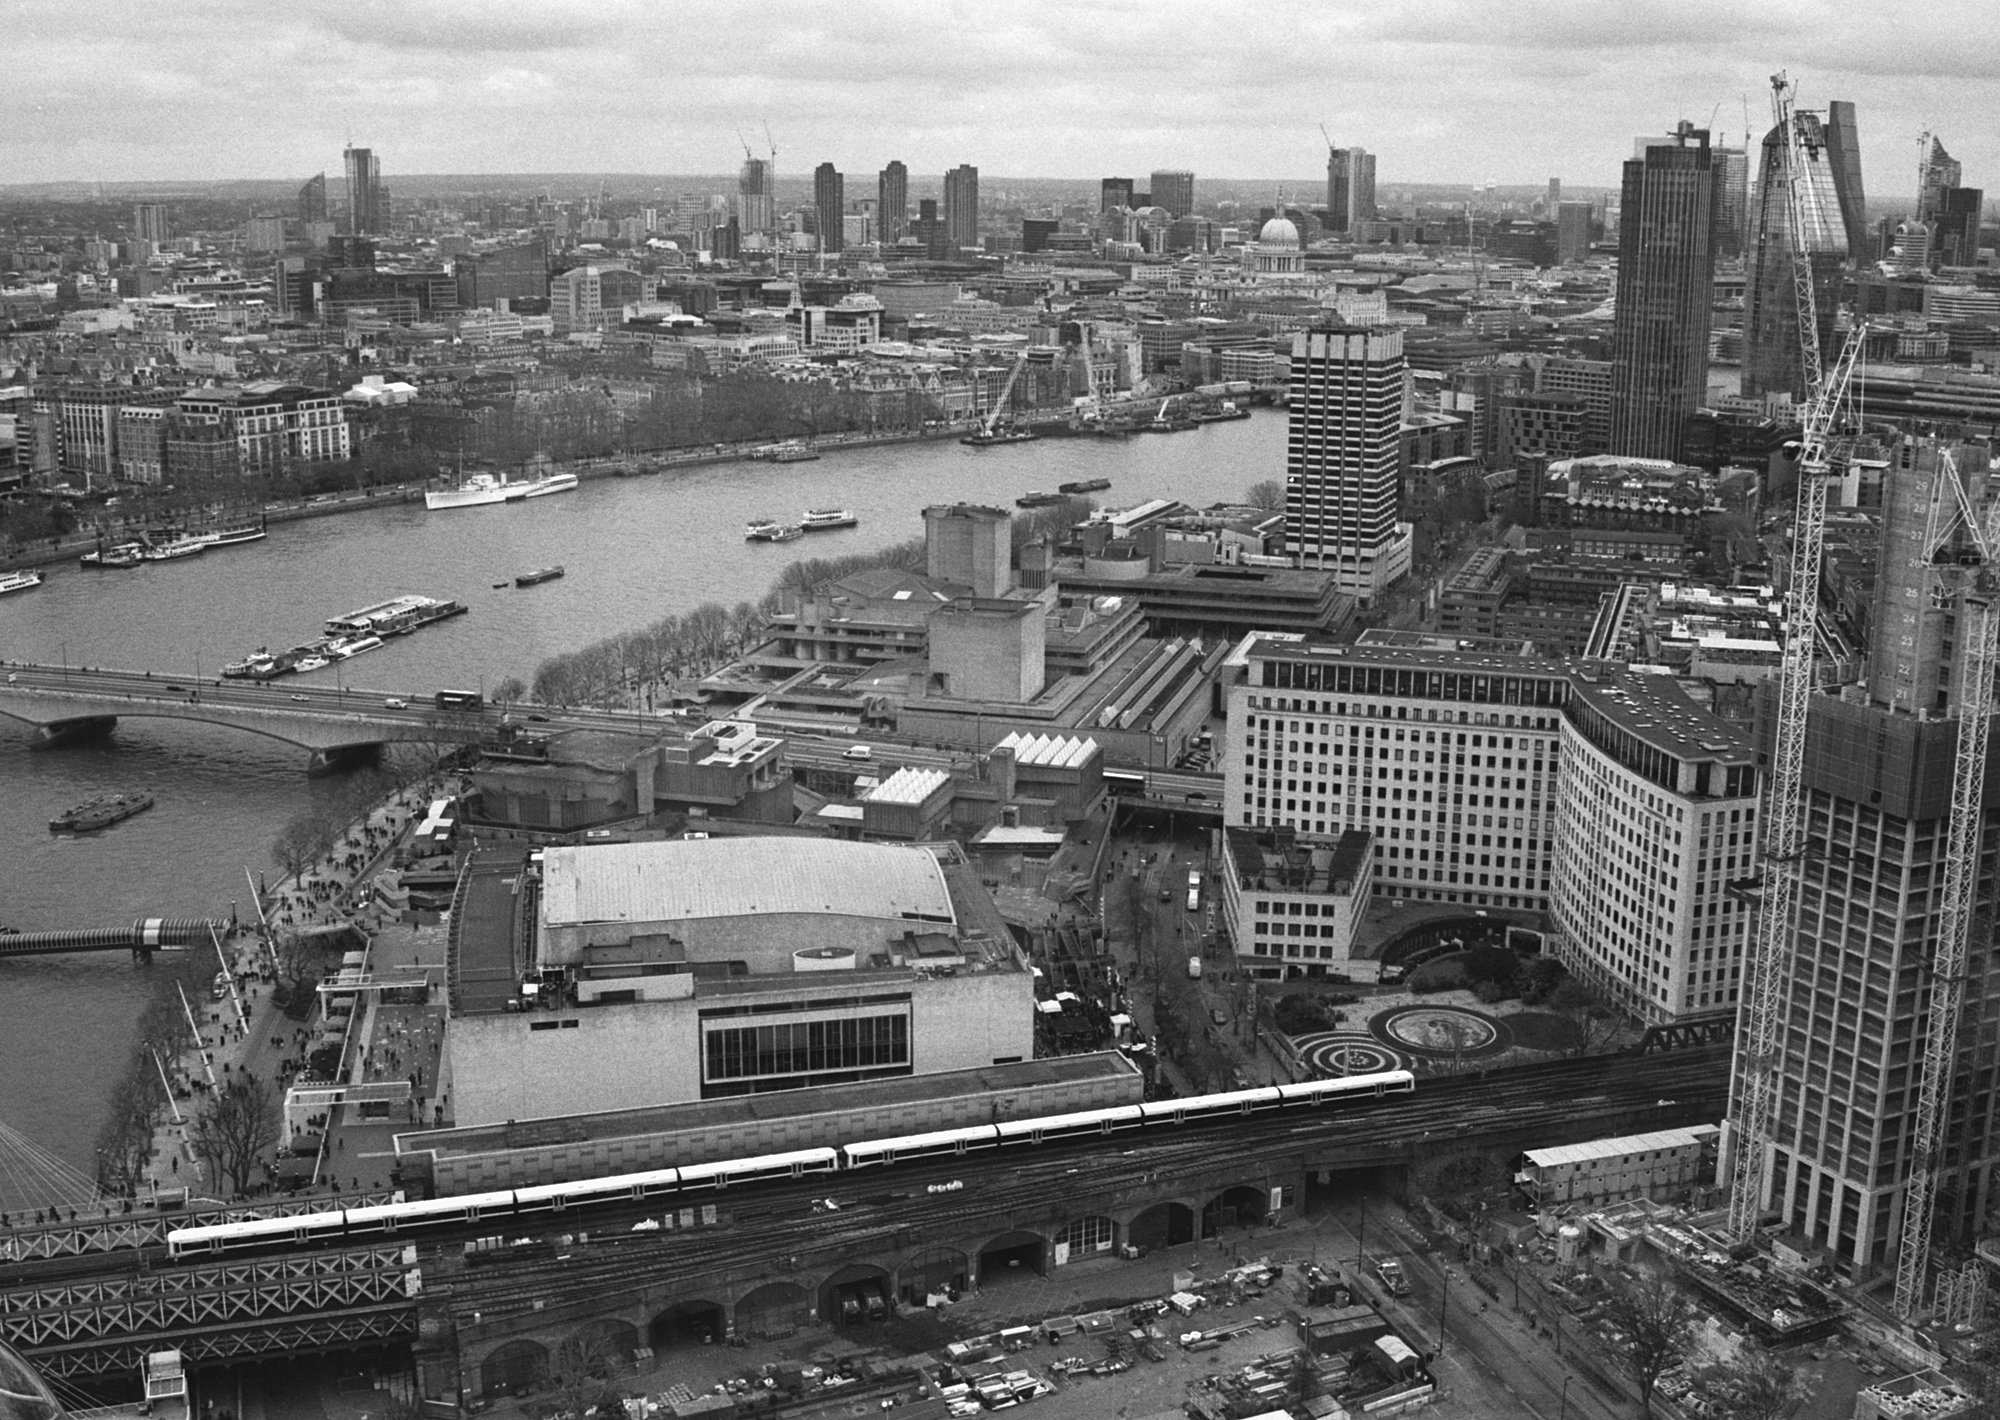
829	206
1858	974
366	209
961	208
892	202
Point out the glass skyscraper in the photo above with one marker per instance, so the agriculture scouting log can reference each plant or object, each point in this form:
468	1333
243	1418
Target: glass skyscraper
1666	273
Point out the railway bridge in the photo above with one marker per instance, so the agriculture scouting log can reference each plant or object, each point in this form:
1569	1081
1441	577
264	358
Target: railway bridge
90	1299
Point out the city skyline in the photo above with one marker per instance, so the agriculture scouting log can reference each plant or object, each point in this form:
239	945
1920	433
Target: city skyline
469	88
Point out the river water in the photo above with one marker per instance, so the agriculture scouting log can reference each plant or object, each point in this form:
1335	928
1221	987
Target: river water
635	550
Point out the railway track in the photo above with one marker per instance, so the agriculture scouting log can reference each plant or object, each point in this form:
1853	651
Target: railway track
778	1221
877	1203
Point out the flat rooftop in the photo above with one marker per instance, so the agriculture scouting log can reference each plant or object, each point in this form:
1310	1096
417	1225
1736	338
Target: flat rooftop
486	974
1656	711
1280	648
783	1104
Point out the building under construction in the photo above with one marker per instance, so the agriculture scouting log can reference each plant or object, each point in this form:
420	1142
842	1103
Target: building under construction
1869	976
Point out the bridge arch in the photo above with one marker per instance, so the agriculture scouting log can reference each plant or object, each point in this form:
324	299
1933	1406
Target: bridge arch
857	1293
1239	1205
1167	1223
694	1322
1012	1253
773	1310
932	1270
514	1367
1087	1236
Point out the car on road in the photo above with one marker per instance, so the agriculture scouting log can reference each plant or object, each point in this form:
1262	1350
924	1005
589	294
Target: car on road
298	697
858	752
1391	1273
539	719
396	704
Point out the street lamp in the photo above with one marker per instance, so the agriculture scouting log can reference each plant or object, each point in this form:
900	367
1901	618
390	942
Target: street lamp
1563	1413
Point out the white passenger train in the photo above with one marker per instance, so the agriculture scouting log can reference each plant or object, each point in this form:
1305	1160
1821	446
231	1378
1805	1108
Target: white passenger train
415	1219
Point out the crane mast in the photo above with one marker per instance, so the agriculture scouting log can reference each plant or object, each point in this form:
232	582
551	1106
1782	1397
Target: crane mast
1973	576
1760	1006
1006	390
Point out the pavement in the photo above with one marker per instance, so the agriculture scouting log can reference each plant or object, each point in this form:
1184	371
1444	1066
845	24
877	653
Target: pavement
246	1031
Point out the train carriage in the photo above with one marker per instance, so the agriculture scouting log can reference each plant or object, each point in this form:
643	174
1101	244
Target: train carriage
1071	1126
796	1164
580	1193
938	1143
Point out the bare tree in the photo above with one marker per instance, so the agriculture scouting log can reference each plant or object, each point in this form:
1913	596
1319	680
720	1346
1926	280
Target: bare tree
235	1128
1267	495
579	1374
1595	1022
1657	1322
305	836
1756	1386
509	690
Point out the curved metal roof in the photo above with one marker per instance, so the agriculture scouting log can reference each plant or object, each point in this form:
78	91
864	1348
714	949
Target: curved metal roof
740	877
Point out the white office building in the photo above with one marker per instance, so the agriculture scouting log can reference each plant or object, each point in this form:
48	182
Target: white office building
1656	816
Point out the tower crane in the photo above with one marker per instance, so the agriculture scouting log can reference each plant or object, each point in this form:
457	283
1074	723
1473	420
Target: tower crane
1761	1003
1006	391
1960	548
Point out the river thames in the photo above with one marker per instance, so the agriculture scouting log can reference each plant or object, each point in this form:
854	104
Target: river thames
634	550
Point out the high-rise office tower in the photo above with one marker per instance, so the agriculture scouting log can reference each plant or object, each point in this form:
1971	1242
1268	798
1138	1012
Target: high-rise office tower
1940	171
1336	190
830	206
756	196
365	206
1114	193
1555	195
1360	186
149	222
1771	363
1347	396
312	199
961	207
1732	204
1174	191
1955	233
892	202
1843	152
1573	231
1350	188
1666	273
1858	973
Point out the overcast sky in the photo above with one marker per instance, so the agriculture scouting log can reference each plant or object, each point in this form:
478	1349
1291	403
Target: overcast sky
1513	91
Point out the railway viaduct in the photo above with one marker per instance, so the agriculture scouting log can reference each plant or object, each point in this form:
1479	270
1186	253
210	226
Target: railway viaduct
92	1298
493	1331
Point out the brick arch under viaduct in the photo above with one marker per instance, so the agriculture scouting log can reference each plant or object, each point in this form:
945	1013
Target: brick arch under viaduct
786	1294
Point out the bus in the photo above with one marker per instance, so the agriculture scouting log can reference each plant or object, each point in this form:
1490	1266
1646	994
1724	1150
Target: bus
1194	890
460	700
1124	781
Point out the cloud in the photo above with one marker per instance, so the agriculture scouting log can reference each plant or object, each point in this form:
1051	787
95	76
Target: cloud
1441	90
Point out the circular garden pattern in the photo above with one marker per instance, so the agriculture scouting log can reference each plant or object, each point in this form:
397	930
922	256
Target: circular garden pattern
1441	1032
1333	1053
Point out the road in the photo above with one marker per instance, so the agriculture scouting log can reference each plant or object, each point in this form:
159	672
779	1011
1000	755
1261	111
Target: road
1488	1358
